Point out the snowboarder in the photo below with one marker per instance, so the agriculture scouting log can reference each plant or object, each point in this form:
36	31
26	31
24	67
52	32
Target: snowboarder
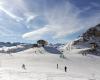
57	66
65	69
23	66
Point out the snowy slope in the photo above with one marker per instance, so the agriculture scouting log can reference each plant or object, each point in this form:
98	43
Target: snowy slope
43	66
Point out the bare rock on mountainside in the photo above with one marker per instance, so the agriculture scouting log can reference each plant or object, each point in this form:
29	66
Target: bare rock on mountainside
91	39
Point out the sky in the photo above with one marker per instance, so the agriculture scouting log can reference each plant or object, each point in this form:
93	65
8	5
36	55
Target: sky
56	21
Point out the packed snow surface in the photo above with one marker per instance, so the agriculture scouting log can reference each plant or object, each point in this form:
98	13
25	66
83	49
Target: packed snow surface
41	65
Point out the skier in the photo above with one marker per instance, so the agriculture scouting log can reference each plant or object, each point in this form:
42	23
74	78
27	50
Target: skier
85	54
23	66
35	52
65	69
57	66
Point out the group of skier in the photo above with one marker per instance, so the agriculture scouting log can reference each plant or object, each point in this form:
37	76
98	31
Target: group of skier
65	68
84	54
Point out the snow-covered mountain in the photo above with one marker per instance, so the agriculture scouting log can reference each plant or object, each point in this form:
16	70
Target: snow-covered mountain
88	43
13	47
90	39
41	62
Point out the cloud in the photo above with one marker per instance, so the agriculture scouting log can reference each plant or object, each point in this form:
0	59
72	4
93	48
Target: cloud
11	14
63	20
17	10
35	35
21	5
29	16
5	32
95	4
91	21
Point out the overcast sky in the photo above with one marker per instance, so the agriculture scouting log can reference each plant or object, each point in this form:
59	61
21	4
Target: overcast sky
52	20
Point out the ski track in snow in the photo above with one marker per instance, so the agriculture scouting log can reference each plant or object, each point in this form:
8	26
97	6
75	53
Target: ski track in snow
43	66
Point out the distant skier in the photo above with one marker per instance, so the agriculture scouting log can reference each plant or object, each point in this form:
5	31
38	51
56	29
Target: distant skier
65	69
85	54
23	66
57	66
